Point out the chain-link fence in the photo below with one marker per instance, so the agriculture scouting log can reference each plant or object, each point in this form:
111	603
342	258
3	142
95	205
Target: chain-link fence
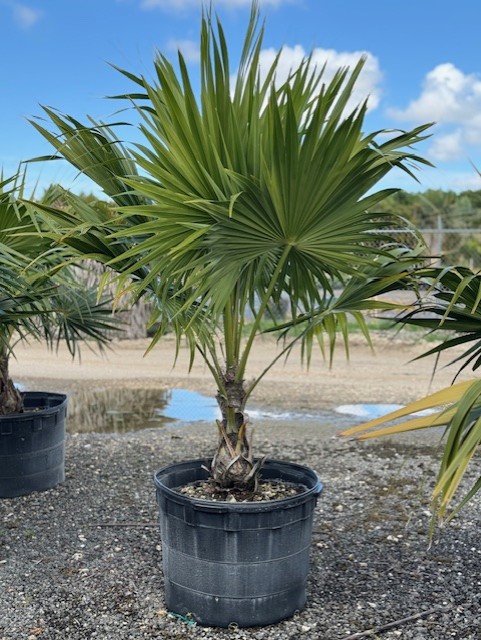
446	246
455	246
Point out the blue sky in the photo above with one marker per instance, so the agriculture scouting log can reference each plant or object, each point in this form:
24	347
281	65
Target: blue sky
423	65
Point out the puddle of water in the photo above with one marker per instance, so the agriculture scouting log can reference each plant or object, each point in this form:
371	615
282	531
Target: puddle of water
367	411
113	410
116	410
124	409
189	406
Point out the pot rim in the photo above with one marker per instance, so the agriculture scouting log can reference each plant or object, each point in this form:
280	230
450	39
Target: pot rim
43	408
264	505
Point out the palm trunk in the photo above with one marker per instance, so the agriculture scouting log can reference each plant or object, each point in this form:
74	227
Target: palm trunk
11	400
232	465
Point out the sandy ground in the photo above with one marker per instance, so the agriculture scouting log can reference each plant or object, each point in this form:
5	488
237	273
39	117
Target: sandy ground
387	375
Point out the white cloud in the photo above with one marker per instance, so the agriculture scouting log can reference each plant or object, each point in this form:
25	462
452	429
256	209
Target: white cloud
464	181
447	95
452	99
23	15
190	49
446	147
368	83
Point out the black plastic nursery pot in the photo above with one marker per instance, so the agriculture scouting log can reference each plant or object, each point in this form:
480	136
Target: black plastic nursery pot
241	563
32	445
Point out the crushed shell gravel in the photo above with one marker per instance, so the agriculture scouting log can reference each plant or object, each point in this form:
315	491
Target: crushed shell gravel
83	561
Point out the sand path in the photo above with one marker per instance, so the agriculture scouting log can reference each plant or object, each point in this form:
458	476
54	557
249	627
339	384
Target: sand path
386	376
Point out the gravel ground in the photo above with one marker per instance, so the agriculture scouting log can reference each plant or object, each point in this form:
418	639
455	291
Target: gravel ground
83	561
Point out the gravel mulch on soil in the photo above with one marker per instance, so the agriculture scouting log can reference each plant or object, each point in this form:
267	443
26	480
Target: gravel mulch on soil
83	561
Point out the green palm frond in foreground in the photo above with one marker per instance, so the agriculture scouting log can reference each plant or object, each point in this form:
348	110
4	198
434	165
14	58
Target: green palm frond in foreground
243	194
453	307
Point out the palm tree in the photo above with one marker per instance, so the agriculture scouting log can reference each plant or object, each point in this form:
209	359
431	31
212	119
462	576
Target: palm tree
252	192
40	297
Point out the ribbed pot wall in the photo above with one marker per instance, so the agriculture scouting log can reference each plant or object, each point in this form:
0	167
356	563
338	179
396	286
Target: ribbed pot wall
244	563
32	445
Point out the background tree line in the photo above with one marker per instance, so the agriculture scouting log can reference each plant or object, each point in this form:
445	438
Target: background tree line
450	222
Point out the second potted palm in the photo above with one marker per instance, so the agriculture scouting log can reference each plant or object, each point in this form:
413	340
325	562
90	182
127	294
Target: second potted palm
40	298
